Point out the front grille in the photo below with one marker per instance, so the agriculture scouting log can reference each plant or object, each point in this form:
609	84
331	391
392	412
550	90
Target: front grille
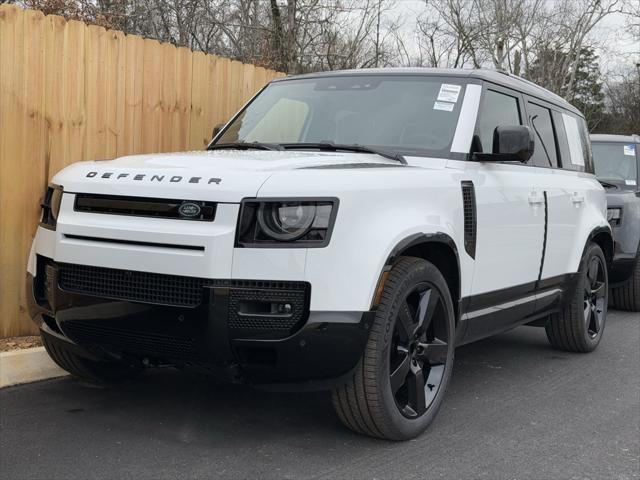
174	290
138	342
179	291
143	287
146	207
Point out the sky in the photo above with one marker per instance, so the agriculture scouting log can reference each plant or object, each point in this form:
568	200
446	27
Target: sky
614	43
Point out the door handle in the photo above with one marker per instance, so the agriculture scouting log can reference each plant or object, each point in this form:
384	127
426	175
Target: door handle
536	198
577	198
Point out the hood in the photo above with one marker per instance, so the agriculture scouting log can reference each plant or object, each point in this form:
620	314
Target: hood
620	196
619	186
219	175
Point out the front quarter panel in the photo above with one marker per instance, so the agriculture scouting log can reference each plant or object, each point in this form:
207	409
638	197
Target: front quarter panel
379	208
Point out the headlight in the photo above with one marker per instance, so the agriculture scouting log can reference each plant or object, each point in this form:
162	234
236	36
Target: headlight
293	222
51	206
614	215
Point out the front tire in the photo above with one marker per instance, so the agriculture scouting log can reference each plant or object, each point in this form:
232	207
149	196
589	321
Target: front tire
627	296
579	327
88	370
400	382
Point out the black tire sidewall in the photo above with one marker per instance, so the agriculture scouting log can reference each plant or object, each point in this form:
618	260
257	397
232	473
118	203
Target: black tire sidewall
591	251
420	271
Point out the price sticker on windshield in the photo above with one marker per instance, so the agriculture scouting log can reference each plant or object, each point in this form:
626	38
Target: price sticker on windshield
447	107
449	93
630	150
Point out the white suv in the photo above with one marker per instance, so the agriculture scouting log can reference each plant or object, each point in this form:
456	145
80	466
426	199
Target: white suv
343	231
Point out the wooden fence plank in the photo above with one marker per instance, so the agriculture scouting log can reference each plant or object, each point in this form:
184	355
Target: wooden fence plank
56	142
33	165
96	82
151	104
115	92
211	102
221	84
11	154
132	135
234	92
198	99
248	76
180	134
75	96
169	120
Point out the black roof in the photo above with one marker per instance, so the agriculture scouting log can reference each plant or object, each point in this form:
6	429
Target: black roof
494	76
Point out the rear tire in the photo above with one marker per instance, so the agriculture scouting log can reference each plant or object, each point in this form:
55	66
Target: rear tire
580	326
400	382
85	369
627	296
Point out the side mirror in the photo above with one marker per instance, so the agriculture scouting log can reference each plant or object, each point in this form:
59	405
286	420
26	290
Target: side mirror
512	143
216	130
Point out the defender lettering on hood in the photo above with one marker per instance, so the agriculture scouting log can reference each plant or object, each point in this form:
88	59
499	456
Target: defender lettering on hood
154	178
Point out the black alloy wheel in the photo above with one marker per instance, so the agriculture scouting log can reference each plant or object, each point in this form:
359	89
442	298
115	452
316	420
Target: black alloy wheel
579	326
595	290
419	350
399	384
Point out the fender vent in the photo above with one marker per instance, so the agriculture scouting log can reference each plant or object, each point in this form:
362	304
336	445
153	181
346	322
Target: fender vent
470	217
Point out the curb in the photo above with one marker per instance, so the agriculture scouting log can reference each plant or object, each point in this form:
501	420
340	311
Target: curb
27	365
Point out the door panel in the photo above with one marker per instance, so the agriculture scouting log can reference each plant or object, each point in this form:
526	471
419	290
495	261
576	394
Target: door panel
510	203
510	219
567	193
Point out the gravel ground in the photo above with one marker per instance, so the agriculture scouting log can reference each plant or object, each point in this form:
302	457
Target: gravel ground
17	343
515	410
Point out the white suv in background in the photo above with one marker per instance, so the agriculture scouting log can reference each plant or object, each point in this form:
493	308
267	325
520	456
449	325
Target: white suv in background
343	231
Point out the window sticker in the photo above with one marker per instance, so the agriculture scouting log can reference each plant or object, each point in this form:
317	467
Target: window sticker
630	150
573	136
449	93
447	107
630	182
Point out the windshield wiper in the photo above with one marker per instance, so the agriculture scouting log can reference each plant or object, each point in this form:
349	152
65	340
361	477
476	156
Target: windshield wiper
334	147
245	146
607	184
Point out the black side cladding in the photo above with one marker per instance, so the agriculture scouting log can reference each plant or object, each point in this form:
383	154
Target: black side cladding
470	217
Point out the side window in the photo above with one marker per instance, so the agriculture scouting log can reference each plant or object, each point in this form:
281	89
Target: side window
576	145
544	153
563	144
496	109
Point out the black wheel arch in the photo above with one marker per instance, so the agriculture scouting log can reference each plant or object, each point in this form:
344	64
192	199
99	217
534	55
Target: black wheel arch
437	248
603	237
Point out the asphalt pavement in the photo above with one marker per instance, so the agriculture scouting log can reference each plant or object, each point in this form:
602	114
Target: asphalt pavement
516	409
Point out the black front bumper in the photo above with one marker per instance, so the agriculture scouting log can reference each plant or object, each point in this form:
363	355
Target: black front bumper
233	329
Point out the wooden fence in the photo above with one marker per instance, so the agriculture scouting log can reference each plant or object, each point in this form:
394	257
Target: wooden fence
70	92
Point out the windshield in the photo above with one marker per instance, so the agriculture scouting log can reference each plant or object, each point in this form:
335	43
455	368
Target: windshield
407	114
616	162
